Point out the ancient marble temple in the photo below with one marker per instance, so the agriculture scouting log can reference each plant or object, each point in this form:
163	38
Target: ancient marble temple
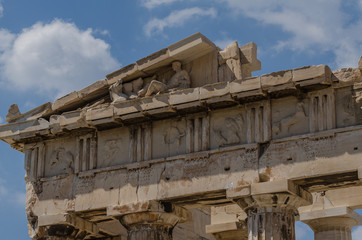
186	144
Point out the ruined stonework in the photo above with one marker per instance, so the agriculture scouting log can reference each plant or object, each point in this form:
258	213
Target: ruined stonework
187	144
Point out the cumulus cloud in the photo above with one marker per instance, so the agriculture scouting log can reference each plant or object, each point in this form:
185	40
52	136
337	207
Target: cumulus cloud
322	27
150	4
223	43
6	39
176	19
54	58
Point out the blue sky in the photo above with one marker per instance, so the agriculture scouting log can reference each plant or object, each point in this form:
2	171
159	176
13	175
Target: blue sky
49	48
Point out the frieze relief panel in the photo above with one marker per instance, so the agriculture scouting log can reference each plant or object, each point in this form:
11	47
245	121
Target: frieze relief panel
228	127
60	156
290	117
168	138
113	147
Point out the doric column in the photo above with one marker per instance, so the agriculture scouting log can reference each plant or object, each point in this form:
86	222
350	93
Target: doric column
271	207
150	225
149	220
333	223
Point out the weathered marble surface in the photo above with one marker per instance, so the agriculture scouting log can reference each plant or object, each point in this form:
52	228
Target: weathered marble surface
98	155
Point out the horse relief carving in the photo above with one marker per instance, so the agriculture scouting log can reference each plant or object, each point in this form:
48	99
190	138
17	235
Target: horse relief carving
286	123
62	159
229	132
173	135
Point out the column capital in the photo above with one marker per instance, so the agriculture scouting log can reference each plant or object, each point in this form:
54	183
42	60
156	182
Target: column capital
270	207
149	219
332	222
282	193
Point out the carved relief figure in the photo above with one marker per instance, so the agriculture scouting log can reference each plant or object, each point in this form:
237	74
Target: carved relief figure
229	132
111	151
116	93
62	159
286	123
173	135
180	79
122	91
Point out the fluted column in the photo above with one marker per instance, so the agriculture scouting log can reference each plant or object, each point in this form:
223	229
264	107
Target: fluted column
150	225
333	223
149	220
270	208
270	216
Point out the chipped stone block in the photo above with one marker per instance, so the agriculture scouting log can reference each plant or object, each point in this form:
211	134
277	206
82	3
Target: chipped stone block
99	113
250	84
155	60
65	101
93	90
191	48
214	90
157	101
73	119
126	107
268	81
311	75
184	95
121	73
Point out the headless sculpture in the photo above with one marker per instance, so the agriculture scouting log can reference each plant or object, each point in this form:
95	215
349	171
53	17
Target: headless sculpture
122	91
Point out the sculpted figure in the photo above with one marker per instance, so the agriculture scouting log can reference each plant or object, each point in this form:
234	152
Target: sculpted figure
180	79
122	91
115	91
288	122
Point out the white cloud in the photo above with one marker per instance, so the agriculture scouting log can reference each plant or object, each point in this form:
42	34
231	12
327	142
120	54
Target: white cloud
176	19
54	59
6	39
314	25
357	233
155	3
223	43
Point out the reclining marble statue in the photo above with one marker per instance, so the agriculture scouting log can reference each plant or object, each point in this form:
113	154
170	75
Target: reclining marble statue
123	91
187	144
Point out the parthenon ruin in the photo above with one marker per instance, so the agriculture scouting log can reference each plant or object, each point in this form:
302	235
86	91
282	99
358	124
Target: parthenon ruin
187	144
